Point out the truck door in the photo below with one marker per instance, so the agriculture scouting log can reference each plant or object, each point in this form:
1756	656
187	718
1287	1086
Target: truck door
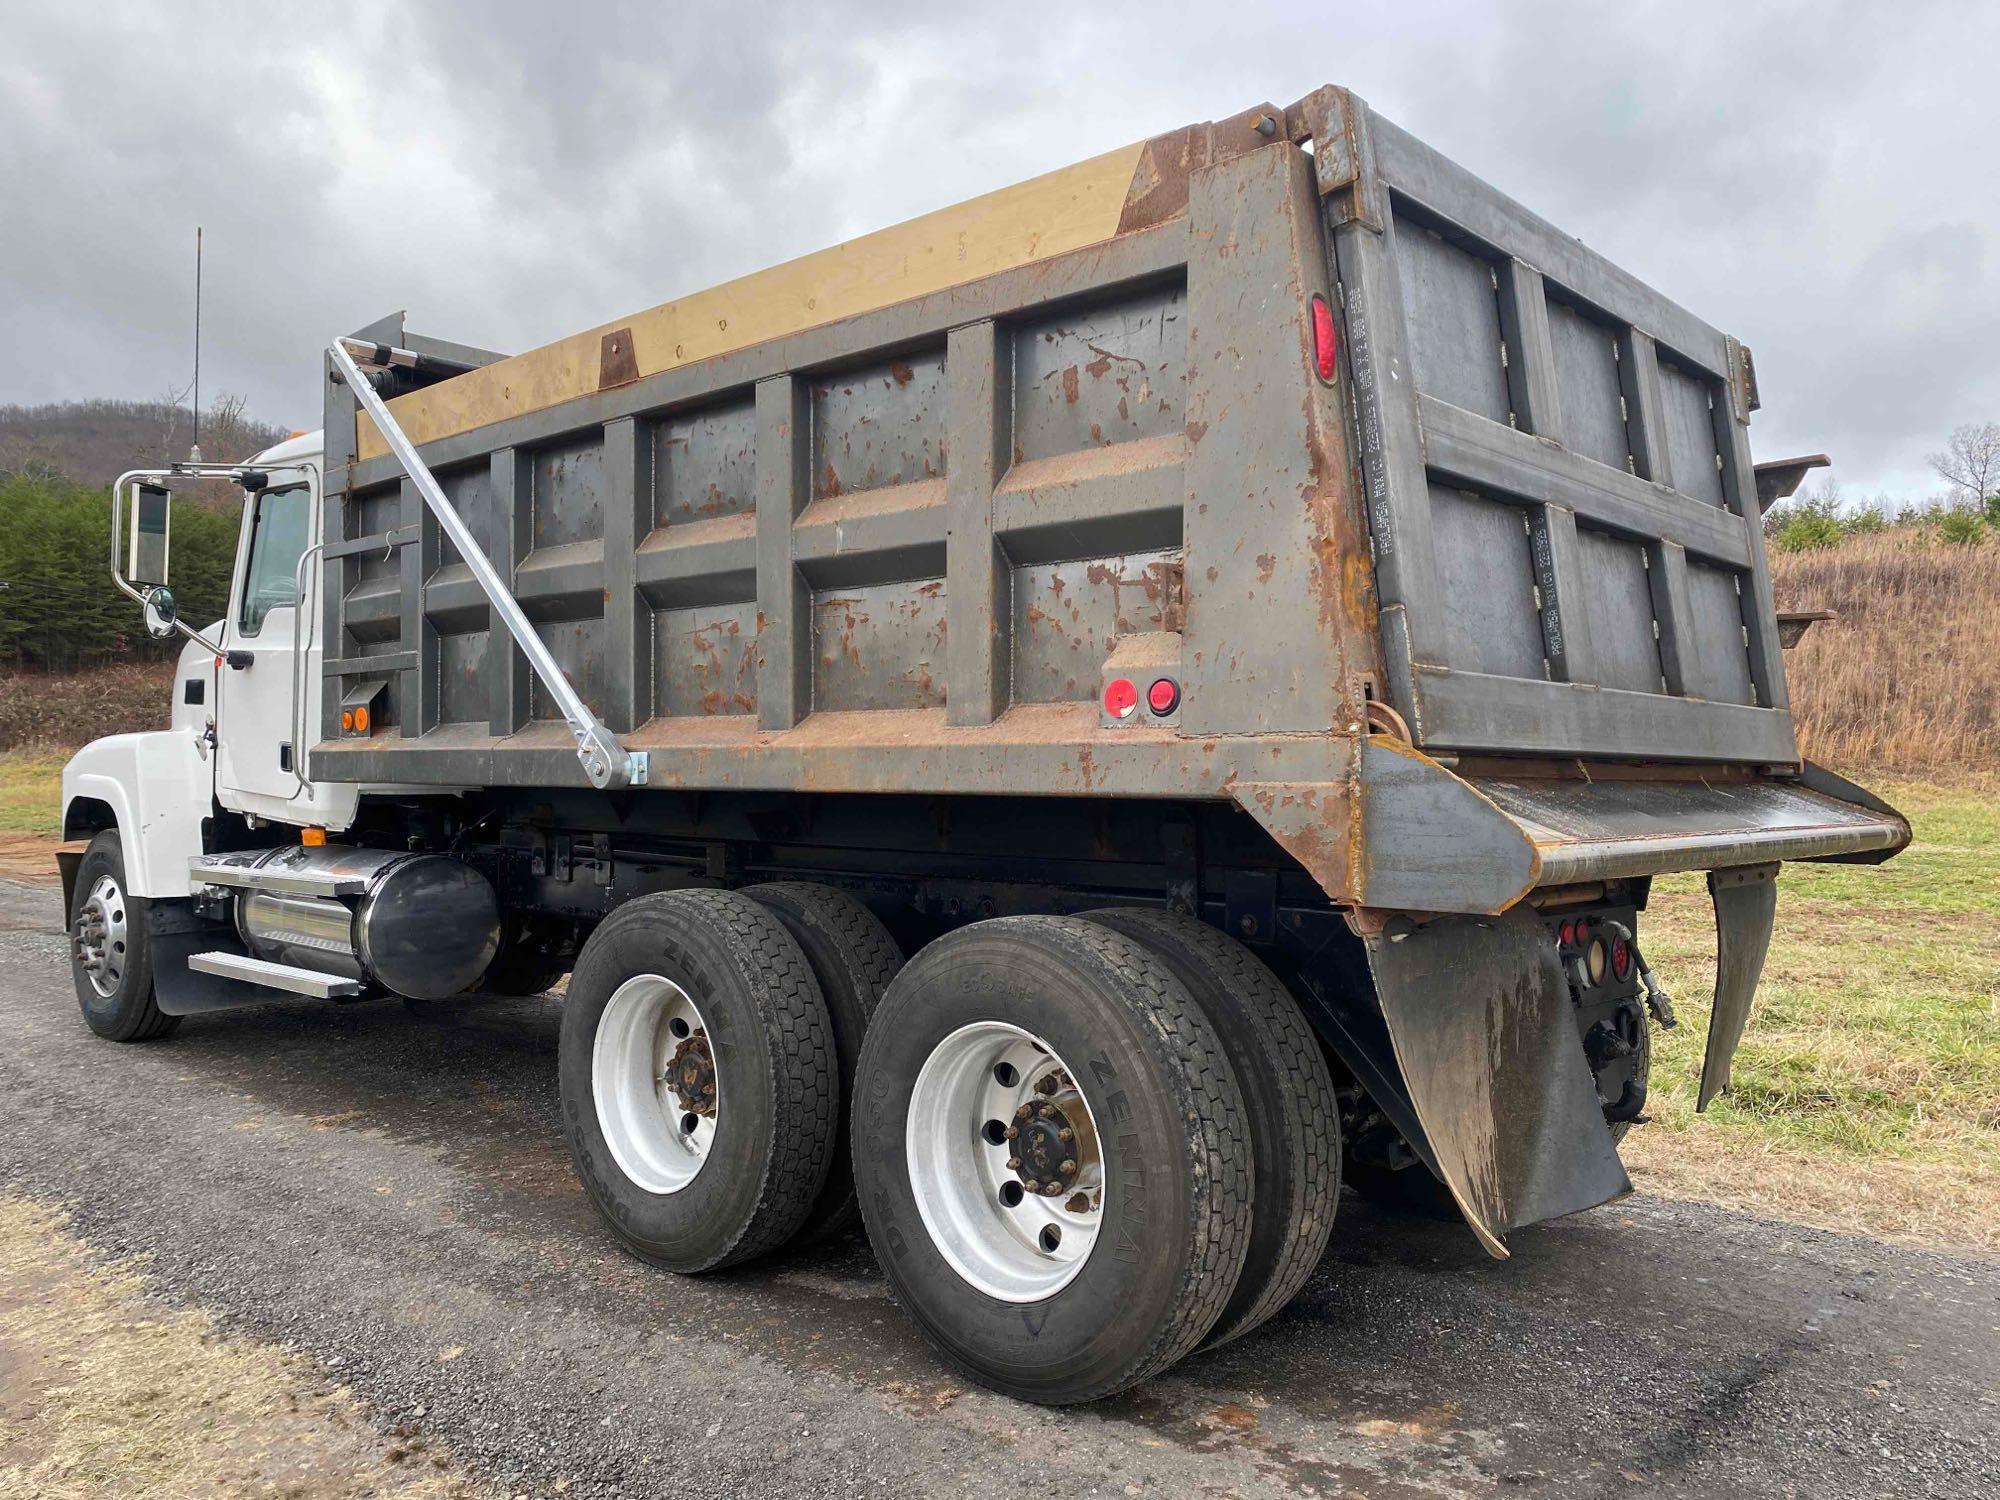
258	712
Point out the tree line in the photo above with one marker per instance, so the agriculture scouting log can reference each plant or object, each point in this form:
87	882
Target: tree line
1967	514
58	610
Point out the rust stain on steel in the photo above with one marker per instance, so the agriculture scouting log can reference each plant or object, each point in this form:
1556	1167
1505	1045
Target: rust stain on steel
901	373
617	360
1311	821
1069	384
1159	189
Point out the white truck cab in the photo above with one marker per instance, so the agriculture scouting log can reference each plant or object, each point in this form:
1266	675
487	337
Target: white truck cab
257	671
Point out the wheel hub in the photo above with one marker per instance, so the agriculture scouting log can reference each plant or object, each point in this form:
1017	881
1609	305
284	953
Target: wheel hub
654	1083
1004	1161
99	936
1044	1148
691	1074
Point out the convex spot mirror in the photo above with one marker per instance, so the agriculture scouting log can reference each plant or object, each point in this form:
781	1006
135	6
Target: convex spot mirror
161	612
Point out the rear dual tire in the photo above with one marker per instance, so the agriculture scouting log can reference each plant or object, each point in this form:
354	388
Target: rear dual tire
1136	1063
700	1082
1081	1147
1288	1101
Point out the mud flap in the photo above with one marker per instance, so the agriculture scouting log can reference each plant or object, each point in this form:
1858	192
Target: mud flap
1746	905
1479	1015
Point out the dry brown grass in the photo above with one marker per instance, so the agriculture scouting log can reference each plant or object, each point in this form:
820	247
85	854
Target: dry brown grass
59	711
104	1395
1908	677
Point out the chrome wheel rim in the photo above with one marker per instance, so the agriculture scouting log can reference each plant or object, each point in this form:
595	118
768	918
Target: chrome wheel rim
985	1146
101	937
654	1083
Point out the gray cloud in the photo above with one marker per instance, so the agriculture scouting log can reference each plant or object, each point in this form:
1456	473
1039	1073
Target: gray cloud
1815	178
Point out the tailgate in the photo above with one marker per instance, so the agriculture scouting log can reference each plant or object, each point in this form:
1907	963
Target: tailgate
1568	545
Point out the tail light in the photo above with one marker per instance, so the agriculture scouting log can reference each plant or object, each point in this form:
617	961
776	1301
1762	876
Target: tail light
1621	959
1121	698
1326	340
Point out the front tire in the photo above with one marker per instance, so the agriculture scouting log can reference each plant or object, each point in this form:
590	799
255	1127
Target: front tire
111	951
1151	1211
699	1082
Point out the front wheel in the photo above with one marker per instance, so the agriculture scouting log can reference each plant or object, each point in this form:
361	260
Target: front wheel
1052	1156
110	949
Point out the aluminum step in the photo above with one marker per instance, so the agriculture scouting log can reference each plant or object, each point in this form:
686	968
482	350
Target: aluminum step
272	976
240	871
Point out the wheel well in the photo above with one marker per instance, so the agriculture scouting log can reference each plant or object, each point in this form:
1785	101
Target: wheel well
87	815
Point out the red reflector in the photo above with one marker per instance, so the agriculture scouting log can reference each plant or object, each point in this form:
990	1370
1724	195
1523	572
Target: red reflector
1621	958
1326	343
1120	698
1567	933
1164	696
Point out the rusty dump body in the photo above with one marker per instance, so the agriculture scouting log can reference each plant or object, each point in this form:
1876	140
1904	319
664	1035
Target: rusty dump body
1479	624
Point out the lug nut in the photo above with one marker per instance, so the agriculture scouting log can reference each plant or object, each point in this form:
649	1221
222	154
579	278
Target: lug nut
1065	1135
1025	1112
1013	1163
1068	1169
1012	1132
1052	1189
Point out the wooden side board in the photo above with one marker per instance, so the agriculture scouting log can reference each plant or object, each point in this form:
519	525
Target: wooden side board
1133	187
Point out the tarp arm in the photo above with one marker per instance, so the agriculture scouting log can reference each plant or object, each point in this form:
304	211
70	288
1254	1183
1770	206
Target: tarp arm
608	764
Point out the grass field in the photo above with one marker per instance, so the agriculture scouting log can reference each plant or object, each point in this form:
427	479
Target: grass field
1866	1094
31	792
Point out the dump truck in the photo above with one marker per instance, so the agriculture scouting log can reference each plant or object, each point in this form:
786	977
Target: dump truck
1062	732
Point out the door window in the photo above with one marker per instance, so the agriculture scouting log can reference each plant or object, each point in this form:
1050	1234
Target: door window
278	527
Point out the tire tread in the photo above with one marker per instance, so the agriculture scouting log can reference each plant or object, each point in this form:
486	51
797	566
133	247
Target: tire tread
1300	1084
852	936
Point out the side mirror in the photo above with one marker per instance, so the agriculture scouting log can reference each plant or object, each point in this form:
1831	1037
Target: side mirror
150	513
161	612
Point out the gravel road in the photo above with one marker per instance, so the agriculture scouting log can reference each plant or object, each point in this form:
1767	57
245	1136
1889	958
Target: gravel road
389	1193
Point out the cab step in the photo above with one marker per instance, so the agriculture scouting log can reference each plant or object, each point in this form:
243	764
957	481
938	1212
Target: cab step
272	976
277	871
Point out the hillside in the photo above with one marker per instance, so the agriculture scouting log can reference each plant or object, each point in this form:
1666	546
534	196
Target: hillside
1908	676
93	442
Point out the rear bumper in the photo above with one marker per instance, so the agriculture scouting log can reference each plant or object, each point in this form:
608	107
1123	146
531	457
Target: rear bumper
1408	834
1614	830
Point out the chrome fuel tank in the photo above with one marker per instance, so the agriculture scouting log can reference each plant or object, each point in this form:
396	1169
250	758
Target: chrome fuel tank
421	925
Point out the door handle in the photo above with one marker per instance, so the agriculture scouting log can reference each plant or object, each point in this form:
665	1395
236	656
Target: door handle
239	660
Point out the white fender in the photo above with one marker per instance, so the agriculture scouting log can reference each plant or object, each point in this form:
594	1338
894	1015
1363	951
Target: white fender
159	786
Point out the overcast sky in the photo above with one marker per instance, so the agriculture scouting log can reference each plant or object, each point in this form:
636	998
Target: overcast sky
1818	179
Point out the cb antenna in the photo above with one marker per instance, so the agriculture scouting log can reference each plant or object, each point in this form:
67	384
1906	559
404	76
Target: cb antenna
194	450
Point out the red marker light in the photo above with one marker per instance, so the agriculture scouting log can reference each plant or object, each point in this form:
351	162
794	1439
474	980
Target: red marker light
1121	698
1326	342
1566	934
1164	696
1621	958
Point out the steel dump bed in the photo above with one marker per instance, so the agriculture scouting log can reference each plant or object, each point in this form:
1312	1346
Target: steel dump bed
1484	608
